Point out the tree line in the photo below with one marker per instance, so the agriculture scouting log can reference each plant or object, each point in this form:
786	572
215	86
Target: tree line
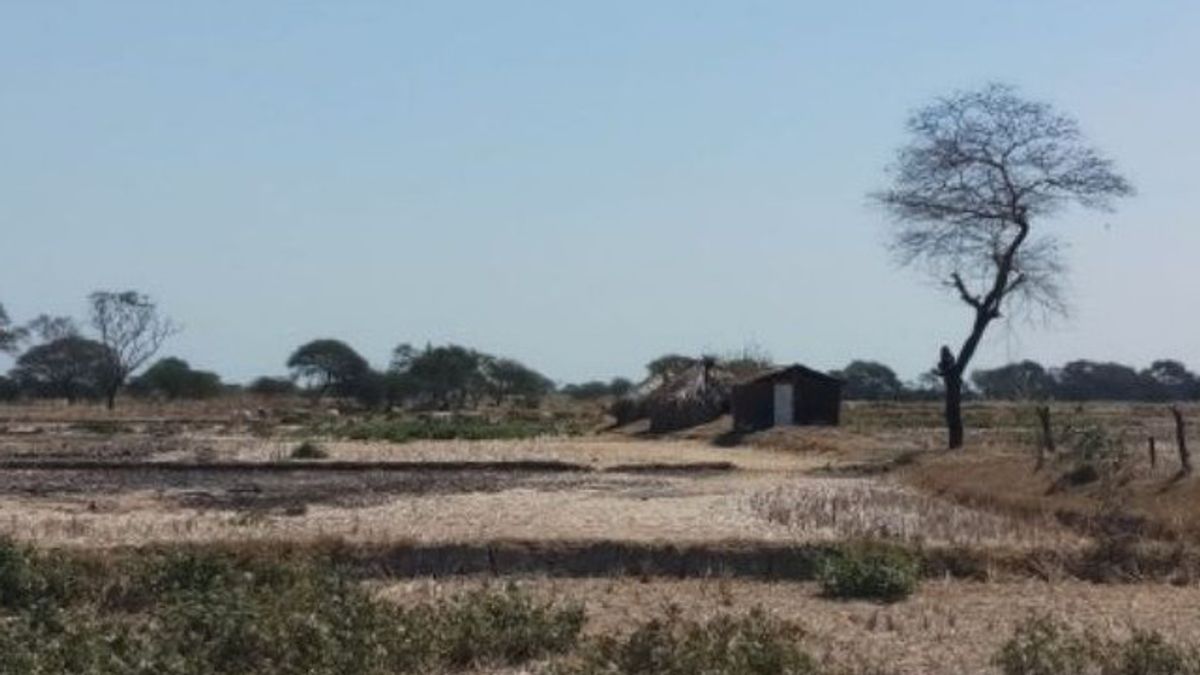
1079	380
442	377
59	357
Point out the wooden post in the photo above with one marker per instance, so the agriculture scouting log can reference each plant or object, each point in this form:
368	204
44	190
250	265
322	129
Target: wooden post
1153	454
1185	457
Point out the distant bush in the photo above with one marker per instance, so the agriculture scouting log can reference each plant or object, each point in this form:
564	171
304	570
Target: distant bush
452	428
1043	646
272	386
172	378
309	450
754	644
870	571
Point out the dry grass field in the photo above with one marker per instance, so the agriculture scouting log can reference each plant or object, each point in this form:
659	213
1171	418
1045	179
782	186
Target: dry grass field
614	519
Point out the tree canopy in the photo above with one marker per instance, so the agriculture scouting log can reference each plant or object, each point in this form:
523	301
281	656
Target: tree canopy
981	168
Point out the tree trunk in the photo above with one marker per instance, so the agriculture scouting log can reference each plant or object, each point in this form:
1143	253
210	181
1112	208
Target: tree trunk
110	400
954	420
1043	413
1153	454
1185	457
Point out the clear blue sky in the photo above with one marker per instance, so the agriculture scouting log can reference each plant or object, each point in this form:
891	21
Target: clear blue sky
579	185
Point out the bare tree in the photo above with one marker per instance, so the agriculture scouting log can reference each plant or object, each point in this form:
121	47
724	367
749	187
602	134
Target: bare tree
130	326
981	168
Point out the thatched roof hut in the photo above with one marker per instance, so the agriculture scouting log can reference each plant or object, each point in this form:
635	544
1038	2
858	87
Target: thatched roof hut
695	395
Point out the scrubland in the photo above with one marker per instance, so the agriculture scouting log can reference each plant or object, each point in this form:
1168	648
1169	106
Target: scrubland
859	549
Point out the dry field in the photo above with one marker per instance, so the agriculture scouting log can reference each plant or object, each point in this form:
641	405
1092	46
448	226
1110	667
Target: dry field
222	476
946	628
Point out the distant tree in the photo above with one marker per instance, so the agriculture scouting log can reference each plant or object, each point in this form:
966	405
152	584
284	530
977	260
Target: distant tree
588	391
50	328
272	386
982	167
508	379
1015	381
10	336
173	378
129	324
70	367
328	366
670	364
869	381
1169	380
620	386
1084	380
446	377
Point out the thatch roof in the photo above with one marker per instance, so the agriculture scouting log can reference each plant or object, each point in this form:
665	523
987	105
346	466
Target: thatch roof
695	395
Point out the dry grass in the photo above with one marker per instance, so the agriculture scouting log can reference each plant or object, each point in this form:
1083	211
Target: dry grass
837	509
947	628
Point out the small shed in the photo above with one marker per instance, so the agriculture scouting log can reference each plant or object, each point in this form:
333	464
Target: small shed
794	395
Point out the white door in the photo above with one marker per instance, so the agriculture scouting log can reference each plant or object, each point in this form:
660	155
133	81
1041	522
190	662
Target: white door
784	407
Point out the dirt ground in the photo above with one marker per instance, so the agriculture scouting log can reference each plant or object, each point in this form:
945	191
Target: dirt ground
769	495
946	628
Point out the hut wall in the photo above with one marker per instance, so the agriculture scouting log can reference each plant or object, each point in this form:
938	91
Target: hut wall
754	405
815	400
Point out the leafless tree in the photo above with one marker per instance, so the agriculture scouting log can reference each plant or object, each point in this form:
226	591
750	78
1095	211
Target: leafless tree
130	326
982	167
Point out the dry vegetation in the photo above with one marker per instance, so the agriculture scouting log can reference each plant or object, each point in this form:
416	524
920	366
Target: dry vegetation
750	518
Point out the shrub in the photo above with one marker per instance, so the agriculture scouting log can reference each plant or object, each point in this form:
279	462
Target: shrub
1042	646
506	627
309	450
190	612
870	571
754	644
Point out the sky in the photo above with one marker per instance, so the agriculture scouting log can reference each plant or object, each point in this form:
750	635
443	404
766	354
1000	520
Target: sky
581	186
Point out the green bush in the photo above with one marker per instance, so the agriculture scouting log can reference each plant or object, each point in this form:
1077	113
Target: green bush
506	627
1042	646
191	612
309	450
754	644
870	571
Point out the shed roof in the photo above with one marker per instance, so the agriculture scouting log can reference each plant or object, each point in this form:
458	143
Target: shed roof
787	371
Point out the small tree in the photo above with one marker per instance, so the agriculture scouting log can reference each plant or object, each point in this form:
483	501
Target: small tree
869	381
271	386
509	378
129	325
174	378
1015	381
447	377
329	366
981	169
70	367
